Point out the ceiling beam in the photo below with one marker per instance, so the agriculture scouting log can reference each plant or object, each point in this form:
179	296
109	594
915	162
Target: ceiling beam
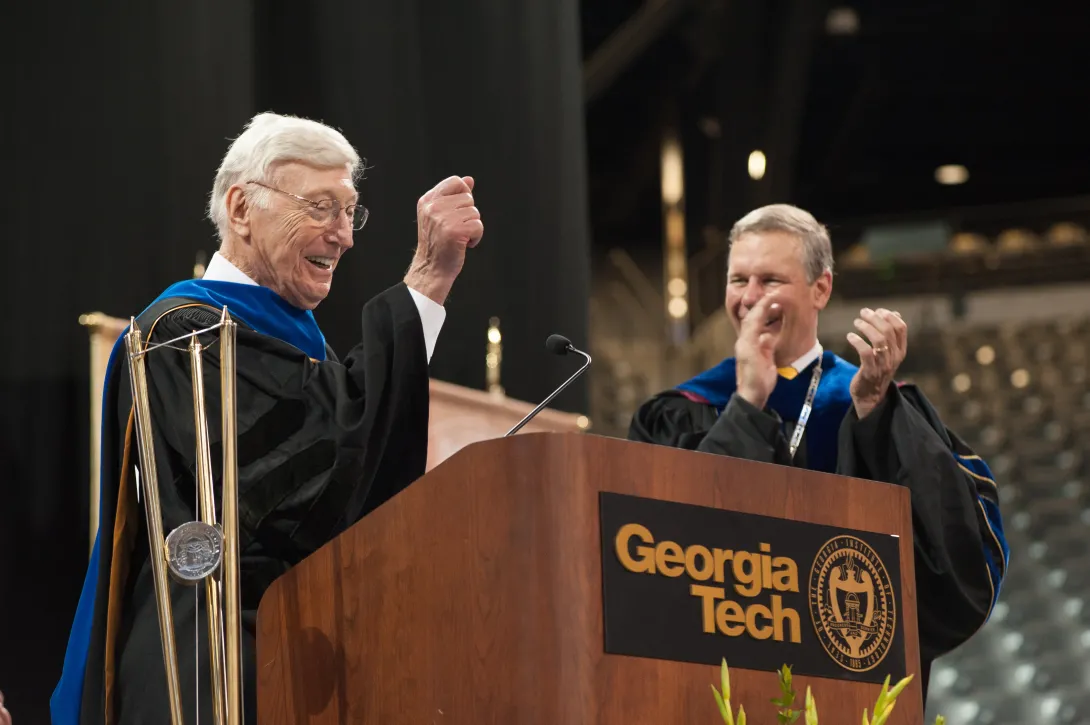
627	43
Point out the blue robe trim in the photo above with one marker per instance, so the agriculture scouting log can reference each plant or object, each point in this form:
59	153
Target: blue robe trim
260	308
831	403
265	312
976	467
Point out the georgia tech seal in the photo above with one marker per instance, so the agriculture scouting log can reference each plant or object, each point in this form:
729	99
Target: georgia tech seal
852	604
194	551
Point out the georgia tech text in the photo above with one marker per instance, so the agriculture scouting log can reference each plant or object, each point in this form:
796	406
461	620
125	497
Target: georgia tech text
751	573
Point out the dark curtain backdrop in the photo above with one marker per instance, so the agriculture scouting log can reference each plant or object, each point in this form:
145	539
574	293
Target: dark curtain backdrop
116	116
430	89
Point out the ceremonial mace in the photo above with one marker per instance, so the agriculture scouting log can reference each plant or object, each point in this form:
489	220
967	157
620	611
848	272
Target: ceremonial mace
200	551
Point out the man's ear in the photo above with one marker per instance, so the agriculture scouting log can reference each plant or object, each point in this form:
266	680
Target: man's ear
823	289
238	211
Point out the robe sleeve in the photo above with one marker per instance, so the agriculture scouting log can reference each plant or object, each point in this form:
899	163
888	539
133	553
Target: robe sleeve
745	431
740	431
672	419
319	443
961	551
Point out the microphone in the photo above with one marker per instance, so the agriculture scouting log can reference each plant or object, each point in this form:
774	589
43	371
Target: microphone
557	345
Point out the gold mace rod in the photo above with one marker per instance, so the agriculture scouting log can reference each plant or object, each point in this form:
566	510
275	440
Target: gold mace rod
232	597
207	503
157	545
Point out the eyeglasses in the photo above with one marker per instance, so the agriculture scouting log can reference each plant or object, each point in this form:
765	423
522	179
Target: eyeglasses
326	211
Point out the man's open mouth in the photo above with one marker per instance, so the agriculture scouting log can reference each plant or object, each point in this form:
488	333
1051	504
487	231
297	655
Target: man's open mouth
321	262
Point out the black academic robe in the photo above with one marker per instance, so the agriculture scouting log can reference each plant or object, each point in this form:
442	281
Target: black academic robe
320	444
960	551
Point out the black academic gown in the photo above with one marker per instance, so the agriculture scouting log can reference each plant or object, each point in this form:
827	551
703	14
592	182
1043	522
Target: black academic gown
319	446
960	551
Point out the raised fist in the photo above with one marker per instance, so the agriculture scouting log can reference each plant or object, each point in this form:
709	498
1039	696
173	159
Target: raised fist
447	224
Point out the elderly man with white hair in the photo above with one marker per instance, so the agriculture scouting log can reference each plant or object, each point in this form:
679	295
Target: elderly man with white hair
322	440
783	399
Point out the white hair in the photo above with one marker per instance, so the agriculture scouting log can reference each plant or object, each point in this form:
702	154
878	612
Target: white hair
267	140
817	249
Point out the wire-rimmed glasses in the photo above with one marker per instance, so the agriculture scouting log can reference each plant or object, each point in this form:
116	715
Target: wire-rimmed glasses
326	210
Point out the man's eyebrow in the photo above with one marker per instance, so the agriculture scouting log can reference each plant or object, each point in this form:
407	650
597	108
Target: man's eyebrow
332	192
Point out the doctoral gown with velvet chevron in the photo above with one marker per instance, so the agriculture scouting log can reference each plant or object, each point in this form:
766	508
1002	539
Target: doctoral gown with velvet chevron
321	442
961	553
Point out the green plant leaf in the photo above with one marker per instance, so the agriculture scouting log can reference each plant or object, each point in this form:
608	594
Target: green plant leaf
887	698
785	715
881	719
811	708
880	703
899	687
724	707
940	720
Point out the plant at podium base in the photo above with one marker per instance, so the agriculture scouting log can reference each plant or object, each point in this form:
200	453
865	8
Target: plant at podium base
785	715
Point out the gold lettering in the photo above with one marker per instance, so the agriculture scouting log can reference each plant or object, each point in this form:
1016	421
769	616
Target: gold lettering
638	552
730	618
747	576
708	595
645	563
785	579
705	572
722	556
752	612
766	567
727	613
669	558
780	615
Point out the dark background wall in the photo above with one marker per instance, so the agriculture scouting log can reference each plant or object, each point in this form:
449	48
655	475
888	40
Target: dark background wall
116	116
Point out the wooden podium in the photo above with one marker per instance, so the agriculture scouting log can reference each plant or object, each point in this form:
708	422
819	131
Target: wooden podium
559	578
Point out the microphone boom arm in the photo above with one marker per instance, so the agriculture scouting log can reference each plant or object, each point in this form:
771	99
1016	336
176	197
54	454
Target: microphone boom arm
555	393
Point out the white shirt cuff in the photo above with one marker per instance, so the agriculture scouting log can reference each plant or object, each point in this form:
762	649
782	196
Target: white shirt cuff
432	317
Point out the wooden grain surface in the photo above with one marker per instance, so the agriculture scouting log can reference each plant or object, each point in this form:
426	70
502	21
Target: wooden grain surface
475	596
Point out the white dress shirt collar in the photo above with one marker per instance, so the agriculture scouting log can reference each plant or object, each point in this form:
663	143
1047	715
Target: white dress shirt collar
220	270
803	362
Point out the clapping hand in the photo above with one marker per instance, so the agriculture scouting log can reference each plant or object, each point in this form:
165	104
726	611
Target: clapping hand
880	355
755	352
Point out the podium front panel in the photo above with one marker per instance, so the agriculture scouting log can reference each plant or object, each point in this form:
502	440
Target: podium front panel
477	595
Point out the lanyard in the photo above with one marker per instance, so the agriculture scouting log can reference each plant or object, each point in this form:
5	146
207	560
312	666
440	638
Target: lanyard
804	416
